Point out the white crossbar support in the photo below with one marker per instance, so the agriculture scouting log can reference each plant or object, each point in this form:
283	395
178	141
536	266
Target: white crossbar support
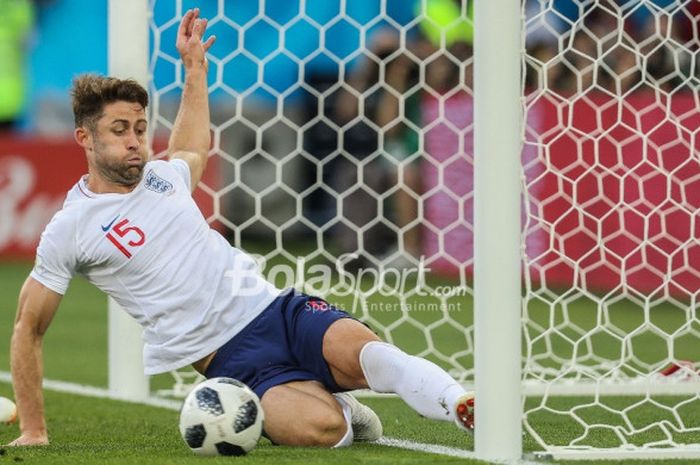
691	451
497	181
128	58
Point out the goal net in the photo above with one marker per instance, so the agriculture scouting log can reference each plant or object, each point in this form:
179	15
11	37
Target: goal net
343	158
610	311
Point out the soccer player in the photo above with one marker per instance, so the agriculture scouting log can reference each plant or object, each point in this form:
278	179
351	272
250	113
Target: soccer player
130	227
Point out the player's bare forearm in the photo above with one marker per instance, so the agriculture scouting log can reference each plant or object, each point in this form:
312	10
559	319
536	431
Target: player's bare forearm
190	138
36	308
191	129
190	132
27	375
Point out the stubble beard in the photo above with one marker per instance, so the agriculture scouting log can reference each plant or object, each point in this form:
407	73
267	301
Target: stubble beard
121	173
118	171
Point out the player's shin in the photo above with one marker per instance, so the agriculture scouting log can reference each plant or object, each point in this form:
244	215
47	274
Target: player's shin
424	386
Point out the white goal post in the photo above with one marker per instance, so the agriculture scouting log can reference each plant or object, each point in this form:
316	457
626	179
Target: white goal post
128	57
549	154
498	119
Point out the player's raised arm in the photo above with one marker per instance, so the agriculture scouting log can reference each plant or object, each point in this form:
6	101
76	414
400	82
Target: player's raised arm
36	308
190	138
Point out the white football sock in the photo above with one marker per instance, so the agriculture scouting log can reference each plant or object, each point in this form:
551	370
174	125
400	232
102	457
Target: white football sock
346	440
424	386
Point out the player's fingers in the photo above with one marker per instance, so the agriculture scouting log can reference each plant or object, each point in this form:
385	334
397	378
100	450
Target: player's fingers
185	24
195	17
209	43
200	25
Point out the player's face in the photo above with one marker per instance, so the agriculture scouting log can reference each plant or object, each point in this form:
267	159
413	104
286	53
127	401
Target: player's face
119	143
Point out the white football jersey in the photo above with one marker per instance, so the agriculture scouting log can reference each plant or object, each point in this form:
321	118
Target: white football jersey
154	253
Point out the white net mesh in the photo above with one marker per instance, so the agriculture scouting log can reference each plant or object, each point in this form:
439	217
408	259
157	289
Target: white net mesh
347	128
610	311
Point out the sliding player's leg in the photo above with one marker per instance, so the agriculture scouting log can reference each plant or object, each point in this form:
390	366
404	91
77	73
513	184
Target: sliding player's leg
279	355
358	359
307	322
304	413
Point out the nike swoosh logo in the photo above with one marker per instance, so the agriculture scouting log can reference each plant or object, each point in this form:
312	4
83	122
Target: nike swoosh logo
106	228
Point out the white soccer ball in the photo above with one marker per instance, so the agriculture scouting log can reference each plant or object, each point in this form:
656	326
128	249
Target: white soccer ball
221	416
8	411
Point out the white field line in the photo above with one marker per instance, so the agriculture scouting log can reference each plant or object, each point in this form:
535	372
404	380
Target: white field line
430	448
101	393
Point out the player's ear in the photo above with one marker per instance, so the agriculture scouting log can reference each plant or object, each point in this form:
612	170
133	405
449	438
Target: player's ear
83	137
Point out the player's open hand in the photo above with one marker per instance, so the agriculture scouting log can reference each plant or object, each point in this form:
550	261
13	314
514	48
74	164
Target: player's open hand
39	439
190	43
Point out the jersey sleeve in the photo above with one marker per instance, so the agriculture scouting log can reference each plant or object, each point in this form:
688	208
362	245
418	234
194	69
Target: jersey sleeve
182	169
56	256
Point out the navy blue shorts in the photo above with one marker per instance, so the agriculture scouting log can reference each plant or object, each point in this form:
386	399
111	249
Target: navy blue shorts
282	344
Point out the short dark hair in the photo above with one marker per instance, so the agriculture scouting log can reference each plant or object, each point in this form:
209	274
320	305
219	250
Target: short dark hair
92	92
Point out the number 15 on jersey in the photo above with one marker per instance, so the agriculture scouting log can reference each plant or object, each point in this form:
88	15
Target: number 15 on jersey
126	236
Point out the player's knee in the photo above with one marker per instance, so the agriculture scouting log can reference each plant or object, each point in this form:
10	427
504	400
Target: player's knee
327	430
323	428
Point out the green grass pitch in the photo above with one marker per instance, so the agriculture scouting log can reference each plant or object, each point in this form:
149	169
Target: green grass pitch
87	430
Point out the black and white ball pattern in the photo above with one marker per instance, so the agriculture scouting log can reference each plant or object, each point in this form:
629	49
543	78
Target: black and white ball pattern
221	416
